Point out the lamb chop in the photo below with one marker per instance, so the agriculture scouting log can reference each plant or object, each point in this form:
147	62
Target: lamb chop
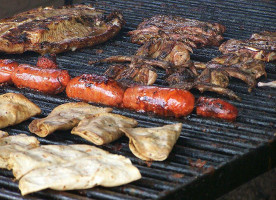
239	66
260	46
265	36
214	80
138	73
137	59
166	54
243	62
174	52
55	30
178	29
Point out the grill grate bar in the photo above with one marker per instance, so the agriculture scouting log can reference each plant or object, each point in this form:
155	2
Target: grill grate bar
10	195
217	142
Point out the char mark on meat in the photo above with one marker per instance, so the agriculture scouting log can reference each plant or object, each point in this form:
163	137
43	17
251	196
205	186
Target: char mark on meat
261	46
137	59
134	74
55	30
178	29
175	52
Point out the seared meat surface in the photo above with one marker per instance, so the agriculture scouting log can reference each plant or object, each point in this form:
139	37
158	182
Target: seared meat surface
175	52
139	73
261	46
210	79
54	30
167	43
216	74
243	62
176	28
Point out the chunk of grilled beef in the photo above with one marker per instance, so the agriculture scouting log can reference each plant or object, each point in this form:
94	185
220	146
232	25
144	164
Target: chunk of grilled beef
260	46
178	29
55	30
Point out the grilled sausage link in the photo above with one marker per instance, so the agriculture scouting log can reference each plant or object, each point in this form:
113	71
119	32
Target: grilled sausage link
96	89
7	66
216	108
47	61
49	81
162	101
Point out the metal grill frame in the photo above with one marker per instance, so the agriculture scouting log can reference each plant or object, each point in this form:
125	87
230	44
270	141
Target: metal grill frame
235	152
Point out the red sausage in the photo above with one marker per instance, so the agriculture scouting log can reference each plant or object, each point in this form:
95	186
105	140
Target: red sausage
162	101
96	89
217	108
50	81
7	66
47	61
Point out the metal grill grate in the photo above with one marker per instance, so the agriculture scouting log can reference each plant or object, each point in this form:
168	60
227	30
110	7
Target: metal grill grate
234	152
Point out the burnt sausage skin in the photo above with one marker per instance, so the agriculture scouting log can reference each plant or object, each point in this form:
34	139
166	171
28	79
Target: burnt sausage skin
95	89
49	81
216	108
161	101
7	66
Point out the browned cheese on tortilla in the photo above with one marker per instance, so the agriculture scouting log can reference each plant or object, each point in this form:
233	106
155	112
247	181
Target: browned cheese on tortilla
103	128
16	108
153	144
64	117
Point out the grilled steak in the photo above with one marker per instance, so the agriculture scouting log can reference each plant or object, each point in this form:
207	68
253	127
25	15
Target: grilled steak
55	30
189	31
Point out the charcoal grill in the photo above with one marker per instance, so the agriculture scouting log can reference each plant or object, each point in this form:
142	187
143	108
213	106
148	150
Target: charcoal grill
234	152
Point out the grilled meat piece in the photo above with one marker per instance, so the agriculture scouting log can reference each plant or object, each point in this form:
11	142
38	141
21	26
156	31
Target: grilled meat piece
55	30
260	46
242	62
217	89
178	29
213	76
175	52
137	59
239	66
236	73
214	80
265	35
183	77
139	73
